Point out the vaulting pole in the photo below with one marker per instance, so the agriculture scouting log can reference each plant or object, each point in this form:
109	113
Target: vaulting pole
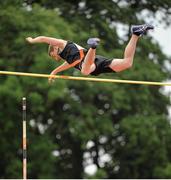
24	139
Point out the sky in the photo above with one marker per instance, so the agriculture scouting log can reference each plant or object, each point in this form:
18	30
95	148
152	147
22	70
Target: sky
162	35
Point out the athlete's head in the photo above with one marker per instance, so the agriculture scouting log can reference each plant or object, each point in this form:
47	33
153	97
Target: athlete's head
53	52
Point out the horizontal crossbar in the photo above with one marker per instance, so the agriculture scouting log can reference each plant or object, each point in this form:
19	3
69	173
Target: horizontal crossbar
85	78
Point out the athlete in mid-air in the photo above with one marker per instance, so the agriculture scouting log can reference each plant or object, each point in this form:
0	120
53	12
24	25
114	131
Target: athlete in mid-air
86	60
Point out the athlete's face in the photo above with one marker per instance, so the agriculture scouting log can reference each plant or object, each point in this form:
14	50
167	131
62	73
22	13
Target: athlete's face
54	54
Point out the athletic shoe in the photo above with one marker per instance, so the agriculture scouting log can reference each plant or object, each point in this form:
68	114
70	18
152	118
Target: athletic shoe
139	30
93	42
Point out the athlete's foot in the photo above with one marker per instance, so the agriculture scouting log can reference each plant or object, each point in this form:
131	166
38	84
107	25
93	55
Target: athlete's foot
93	42
139	30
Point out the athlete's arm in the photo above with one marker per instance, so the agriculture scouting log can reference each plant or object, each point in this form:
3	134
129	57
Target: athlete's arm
48	40
61	68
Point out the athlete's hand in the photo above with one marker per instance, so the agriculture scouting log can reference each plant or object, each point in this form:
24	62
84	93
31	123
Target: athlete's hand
51	78
29	39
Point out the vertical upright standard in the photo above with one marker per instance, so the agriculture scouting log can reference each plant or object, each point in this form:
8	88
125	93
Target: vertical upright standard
24	139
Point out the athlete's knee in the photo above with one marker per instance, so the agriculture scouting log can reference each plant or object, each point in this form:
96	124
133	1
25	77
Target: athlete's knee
128	63
85	72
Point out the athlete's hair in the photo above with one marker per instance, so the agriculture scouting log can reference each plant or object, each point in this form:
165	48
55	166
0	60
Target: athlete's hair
50	49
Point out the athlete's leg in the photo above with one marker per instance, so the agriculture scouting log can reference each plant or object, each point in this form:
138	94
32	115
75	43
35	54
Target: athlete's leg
122	64
88	65
125	63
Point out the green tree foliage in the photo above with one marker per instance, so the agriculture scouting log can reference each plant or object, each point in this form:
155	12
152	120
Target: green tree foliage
126	122
17	55
141	148
100	15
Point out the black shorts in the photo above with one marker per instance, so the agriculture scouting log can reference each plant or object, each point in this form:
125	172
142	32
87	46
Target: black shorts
102	65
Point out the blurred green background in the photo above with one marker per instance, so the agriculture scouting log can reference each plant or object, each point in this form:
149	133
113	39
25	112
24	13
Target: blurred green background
83	129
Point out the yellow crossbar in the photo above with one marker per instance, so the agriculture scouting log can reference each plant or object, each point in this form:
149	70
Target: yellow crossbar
85	78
